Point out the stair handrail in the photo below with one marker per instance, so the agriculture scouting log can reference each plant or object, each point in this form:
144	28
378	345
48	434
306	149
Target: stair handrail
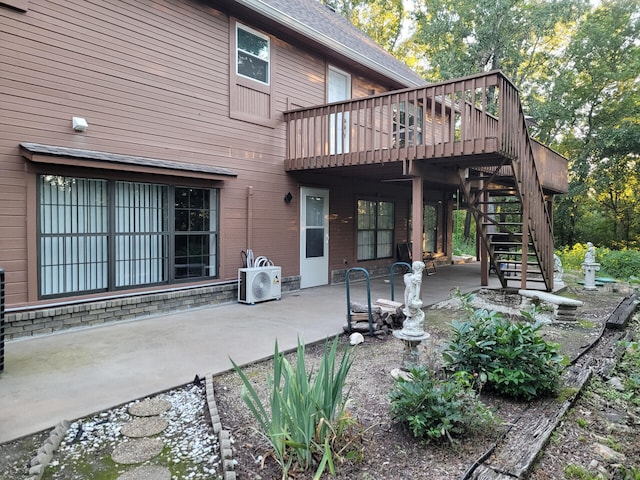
516	144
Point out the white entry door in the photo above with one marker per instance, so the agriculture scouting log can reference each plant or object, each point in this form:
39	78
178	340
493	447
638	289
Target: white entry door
314	237
339	88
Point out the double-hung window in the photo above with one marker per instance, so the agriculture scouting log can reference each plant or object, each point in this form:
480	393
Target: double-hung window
375	222
100	235
252	54
252	75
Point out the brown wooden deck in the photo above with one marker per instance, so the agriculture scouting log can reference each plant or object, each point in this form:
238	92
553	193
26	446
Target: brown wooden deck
474	126
471	121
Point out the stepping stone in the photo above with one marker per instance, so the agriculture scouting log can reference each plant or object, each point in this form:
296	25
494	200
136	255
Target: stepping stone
149	407
144	427
147	472
137	450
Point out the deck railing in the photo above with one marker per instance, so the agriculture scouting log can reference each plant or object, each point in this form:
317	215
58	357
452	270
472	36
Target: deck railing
440	120
478	117
517	145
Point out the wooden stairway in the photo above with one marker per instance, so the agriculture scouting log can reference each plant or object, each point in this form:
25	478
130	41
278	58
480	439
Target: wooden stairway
508	232
497	208
509	205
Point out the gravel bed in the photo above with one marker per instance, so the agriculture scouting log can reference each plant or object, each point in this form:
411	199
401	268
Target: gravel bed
190	451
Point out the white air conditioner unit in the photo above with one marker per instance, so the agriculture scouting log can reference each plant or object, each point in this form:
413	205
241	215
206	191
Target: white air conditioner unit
259	284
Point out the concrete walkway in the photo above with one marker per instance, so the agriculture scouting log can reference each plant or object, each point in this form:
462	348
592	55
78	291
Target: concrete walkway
75	373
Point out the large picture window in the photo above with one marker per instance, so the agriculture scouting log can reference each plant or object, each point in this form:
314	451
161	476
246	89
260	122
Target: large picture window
252	54
98	235
375	229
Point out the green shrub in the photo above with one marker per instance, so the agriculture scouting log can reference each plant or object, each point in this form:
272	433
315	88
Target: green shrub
573	257
621	264
513	358
305	418
436	409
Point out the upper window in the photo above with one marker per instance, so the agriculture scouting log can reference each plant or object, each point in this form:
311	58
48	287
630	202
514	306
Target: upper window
252	54
375	229
100	235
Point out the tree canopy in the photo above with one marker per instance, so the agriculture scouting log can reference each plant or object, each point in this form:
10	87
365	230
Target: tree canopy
577	65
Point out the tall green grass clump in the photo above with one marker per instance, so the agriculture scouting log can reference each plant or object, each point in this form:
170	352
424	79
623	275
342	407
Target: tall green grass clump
305	416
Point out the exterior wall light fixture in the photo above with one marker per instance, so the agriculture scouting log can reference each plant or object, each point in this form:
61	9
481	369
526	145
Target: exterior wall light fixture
79	124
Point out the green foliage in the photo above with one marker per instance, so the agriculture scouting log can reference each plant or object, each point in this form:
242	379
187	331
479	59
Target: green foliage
594	105
620	264
576	472
439	409
573	257
629	370
516	360
305	417
582	422
382	20
463	245
630	473
458	38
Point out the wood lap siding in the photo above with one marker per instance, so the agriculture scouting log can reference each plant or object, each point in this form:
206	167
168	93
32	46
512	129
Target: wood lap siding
112	93
21	5
152	79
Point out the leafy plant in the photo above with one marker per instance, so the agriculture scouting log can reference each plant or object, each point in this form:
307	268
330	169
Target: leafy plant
515	358
436	409
630	473
576	472
305	417
623	264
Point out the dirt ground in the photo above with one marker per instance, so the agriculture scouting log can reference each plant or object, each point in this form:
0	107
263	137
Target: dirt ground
391	452
599	438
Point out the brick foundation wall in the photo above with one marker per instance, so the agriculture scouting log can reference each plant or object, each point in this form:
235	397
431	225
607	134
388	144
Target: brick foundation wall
30	322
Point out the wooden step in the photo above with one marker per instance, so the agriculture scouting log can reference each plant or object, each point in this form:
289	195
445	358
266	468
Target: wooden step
502	224
497	255
499	202
518	270
519	279
516	262
496	243
505	233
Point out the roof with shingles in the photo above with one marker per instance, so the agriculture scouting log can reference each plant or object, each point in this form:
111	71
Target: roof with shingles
319	23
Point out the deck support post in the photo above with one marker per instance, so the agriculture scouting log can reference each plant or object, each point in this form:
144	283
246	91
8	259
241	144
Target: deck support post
417	214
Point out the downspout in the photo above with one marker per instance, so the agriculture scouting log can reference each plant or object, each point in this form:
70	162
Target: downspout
249	245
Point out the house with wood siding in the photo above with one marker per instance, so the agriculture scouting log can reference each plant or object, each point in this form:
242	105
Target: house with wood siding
147	146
